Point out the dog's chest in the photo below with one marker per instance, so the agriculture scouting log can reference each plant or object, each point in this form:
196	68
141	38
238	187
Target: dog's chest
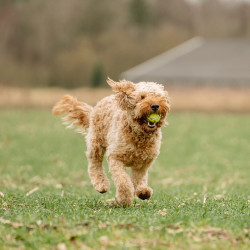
139	153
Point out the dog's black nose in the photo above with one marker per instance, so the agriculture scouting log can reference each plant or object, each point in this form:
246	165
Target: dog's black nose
154	106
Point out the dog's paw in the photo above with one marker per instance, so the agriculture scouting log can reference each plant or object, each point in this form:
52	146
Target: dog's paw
144	193
102	187
125	195
124	201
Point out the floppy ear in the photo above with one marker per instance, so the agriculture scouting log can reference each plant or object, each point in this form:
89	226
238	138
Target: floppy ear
124	93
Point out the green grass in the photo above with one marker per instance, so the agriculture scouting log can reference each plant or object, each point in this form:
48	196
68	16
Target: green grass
200	181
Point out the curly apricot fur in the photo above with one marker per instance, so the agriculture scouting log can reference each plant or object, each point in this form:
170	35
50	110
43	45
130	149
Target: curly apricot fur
116	126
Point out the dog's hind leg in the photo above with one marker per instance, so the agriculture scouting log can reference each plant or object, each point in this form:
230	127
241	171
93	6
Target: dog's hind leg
98	178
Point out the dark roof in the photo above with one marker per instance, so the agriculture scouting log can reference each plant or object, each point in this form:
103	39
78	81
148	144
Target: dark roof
198	61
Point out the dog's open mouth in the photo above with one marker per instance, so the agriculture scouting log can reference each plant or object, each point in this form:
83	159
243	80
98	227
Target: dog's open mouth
150	124
143	121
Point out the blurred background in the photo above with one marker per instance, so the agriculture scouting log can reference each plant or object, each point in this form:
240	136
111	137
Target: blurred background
200	51
49	48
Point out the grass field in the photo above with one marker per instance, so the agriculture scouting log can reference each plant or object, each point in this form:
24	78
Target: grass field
200	180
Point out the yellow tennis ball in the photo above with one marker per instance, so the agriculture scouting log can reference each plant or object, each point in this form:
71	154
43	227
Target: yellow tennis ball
154	118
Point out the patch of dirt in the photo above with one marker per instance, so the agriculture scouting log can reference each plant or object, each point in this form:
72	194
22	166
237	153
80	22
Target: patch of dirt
198	99
13	97
211	99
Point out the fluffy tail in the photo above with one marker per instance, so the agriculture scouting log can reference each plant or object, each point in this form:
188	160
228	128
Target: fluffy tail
77	113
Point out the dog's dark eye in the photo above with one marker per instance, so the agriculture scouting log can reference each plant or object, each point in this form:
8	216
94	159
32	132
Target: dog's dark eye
142	96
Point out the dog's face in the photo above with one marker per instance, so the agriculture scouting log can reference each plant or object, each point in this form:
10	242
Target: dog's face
141	100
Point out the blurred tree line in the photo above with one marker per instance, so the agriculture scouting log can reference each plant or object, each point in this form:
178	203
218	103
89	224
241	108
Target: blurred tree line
79	42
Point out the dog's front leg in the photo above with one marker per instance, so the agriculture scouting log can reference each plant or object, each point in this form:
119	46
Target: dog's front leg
140	181
124	185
